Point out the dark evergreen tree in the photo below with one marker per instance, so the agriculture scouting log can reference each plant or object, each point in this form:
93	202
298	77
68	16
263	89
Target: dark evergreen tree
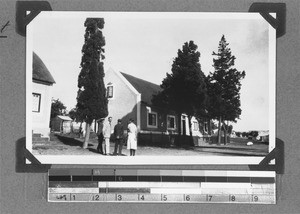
184	89
72	113
224	86
91	97
203	114
57	108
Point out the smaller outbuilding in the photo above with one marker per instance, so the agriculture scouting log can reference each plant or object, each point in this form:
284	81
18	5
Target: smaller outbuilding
61	124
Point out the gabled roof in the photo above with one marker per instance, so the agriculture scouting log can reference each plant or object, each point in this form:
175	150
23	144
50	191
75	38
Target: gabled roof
145	88
40	72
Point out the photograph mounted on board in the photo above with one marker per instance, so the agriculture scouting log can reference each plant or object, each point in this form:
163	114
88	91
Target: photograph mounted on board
150	88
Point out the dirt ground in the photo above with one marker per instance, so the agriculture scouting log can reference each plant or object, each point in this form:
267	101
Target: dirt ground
72	145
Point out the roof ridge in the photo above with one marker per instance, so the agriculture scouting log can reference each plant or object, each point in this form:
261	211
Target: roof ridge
145	88
139	79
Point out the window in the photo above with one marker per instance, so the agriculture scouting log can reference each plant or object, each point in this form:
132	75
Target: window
195	126
36	102
152	119
110	90
171	122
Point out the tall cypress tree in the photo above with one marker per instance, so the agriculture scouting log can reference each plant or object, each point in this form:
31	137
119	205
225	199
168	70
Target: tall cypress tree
91	96
224	88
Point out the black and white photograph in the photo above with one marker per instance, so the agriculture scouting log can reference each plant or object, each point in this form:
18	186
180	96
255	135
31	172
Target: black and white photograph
150	88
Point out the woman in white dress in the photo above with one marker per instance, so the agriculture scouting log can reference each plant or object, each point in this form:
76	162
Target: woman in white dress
132	137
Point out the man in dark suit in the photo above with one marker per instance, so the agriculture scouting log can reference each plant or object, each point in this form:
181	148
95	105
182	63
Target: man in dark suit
100	136
118	137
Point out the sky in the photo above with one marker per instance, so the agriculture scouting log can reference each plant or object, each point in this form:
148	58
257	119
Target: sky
145	44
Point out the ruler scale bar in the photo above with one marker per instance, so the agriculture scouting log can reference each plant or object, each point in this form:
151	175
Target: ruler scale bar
104	178
184	198
177	186
149	178
163	179
149	184
125	190
72	184
146	172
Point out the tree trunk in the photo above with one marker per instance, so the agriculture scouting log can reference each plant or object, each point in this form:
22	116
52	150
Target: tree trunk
225	133
178	141
190	125
87	135
179	123
219	131
80	130
210	128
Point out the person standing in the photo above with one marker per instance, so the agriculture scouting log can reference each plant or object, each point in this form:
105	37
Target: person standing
132	137
100	135
106	134
118	136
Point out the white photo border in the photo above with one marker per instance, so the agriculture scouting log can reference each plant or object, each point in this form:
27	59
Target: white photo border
158	160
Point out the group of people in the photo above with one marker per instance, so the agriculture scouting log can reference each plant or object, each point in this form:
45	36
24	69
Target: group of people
104	134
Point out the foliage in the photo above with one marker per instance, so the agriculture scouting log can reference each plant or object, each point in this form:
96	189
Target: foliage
224	86
227	128
183	90
245	134
91	97
57	108
72	113
253	134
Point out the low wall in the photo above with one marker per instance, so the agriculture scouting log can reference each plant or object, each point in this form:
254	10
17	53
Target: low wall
154	139
167	140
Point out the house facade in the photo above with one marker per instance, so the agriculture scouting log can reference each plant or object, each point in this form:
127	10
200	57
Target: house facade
42	82
130	97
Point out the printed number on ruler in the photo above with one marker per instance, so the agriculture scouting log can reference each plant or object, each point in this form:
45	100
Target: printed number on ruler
142	197
119	197
96	197
61	197
254	198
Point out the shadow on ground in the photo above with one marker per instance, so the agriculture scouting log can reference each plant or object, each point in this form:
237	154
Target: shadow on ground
214	147
93	150
233	148
225	150
70	141
236	154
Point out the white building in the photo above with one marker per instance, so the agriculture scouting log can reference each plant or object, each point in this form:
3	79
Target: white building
42	82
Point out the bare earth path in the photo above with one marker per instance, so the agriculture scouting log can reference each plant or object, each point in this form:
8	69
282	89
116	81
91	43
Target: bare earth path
65	145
